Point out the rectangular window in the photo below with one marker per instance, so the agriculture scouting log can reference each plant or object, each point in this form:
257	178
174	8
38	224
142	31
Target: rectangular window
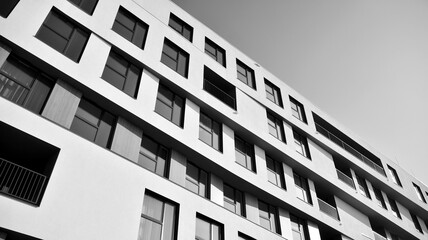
362	187
379	197
130	27
24	85
301	144
181	27
245	74
299	228
7	6
416	222
170	106
197	180
154	156
87	6
297	110
275	172
242	236
302	188
63	35
394	207
215	51
93	123
419	193
394	176
219	88
233	200
159	218
244	153
208	229
269	217
122	74
273	93
210	132
276	127
175	58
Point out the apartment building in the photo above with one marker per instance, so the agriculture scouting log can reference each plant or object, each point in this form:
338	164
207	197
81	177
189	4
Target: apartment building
130	119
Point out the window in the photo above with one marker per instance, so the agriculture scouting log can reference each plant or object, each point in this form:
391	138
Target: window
244	153
275	172
130	27
158	219
175	58
153	156
276	127
302	188
269	217
301	144
419	193
215	51
122	74
273	93
299	228
208	229
394	175
233	200
7	6
63	35
379	197
87	6
170	106
219	88
24	85
362	187
197	180
394	207
181	27
297	110
416	222
210	132
242	236
93	123
245	74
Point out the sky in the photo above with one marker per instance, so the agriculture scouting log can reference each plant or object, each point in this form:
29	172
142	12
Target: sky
364	63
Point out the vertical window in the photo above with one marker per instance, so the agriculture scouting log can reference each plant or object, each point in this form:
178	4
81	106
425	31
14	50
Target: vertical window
233	200
394	175
394	207
93	123
244	153
208	229
87	6
175	58
170	106
130	27
24	85
416	222
63	35
276	127
419	193
7	6
197	180
210	132
158	219
273	93
379	197
301	144
245	74
215	51
362	187
302	188
269	217
122	74
154	156
299	228
297	110
181	27
275	172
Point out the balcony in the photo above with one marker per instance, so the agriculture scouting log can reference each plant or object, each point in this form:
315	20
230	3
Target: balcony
345	178
328	209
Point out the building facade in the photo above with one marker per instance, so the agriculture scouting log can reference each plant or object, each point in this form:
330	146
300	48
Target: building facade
130	119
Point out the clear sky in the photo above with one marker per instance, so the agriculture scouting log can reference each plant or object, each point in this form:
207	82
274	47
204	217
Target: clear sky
364	63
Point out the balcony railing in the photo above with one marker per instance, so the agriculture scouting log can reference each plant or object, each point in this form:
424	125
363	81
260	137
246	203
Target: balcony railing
345	178
20	182
328	209
219	94
349	149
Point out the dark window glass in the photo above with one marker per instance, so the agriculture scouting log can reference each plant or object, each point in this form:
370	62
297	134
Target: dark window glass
197	180
130	27
379	197
362	186
215	51
210	132
7	6
60	33
175	58
87	6
93	123
419	193
275	172
219	88
299	228
242	236
154	156
208	229
181	27
24	85
273	93
245	74
416	222
233	200
297	110
394	207
170	106
269	217
244	153
302	188
276	128
394	175
122	74
301	143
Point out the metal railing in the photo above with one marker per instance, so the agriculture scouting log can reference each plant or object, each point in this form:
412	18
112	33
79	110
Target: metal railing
328	209
349	149
20	182
219	94
345	178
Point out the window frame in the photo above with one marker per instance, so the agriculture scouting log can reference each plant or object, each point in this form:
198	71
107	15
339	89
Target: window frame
159	149
379	197
302	226
219	54
394	207
240	210
277	125
179	63
277	171
394	175
84	3
245	74
5	12
272	217
205	193
297	110
215	131
177	111
363	189
250	162
174	22
302	184
419	193
211	223
416	222
139	27
275	93
301	143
